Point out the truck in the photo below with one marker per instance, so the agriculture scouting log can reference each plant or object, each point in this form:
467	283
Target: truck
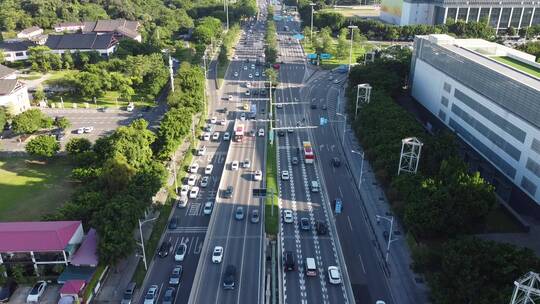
238	131
309	155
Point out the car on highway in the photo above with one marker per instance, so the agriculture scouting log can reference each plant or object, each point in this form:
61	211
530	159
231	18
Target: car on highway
173	224
207	210
193	168
250	76
222	122
285	175
234	165
215	136
253	66
227	193
336	162
88	129
181	202
288	261
260	133
213	120
257	175
334	277
279	106
204	181
313	106
229	277
194	192
130	107
245	68
180	252
184	191
246	164
290	130
208	169
226	136
294	160
201	151
176	275
235	74
192	180
206	136
36	292
168	296
311	267
255	217
304	224
217	255
257	74
281	133
320	227
164	249
239	213
151	295
127	297
288	216
243	116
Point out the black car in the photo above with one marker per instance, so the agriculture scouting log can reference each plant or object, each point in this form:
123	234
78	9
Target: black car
227	193
168	297
173	223
288	261
321	228
304	224
7	290
59	136
229	277
164	249
336	162
281	133
313	106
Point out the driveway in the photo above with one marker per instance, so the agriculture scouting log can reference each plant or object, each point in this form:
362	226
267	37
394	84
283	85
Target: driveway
51	295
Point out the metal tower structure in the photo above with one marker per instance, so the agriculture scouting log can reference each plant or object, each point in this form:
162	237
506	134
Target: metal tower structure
527	289
363	94
411	148
171	73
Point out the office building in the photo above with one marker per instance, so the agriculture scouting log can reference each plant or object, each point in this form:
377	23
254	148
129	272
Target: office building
489	95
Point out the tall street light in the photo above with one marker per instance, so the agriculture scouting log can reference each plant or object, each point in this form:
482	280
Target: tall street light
142	239
311	33
226	9
361	167
344	126
390	240
352	27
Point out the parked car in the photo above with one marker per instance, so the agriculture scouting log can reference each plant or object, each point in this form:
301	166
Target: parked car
192	180
208	169
215	136
151	295
36	292
180	252
176	275
130	107
234	165
193	168
217	254
184	191
7	290
88	129
164	249
213	120
194	192
128	293
246	164
181	202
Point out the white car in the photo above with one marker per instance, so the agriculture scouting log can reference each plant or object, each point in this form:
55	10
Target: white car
80	130
245	68
193	168
215	136
285	175
130	107
192	180
234	165
36	292
253	66
257	175
88	129
213	120
204	181
250	76
230	98
235	57
288	216
217	255
182	202
201	151
226	136
235	74
248	84
246	164
180	252
261	133
194	192
151	295
334	277
184	190
279	106
208	169
222	122
247	93
257	74
207	210
206	136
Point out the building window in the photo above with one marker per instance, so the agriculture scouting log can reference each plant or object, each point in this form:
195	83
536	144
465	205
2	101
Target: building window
536	18
535	146
444	101
505	17
528	186
462	13
442	115
451	15
516	16
533	166
484	14
19	54
473	14
527	16
494	18
447	87
439	14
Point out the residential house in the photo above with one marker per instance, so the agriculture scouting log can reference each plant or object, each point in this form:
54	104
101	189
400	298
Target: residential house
68	27
105	44
15	50
120	28
13	93
30	32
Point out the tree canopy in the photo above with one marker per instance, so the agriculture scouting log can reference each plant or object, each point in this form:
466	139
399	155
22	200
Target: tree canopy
42	146
30	121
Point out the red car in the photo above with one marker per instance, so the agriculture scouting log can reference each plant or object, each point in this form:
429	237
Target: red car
276	66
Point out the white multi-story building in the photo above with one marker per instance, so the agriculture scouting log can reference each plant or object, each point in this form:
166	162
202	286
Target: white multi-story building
499	14
13	93
489	95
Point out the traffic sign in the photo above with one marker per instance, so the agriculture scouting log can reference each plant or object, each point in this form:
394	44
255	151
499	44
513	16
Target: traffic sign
323	121
312	56
326	56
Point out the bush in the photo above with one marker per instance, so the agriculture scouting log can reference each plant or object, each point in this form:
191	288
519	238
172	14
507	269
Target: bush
78	145
43	146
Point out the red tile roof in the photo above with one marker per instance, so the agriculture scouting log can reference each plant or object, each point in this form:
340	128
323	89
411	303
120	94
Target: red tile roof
86	255
72	287
36	236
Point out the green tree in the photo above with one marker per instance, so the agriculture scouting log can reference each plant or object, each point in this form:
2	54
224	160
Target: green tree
117	174
62	123
30	121
67	60
38	96
42	146
3	116
77	145
343	45
89	84
173	128
17	273
133	143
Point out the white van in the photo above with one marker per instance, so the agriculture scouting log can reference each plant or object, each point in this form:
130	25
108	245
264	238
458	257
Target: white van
311	267
315	186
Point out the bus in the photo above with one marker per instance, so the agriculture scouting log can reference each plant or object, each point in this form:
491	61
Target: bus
309	155
238	131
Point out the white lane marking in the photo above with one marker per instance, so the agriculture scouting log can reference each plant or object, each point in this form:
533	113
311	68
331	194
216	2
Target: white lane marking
350	224
362	263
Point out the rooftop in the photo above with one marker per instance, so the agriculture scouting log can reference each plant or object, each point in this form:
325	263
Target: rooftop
91	41
520	65
5	71
36	236
86	255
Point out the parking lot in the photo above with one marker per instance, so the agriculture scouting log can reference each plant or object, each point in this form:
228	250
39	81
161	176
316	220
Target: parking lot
50	296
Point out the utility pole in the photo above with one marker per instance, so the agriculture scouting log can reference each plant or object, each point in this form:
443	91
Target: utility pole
390	240
226	8
142	239
171	73
352	27
311	33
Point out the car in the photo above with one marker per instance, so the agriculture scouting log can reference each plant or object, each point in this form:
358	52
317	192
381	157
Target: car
288	261
246	164
227	193
164	249
253	66
193	168
80	130
130	107
176	274
313	106
226	136
257	175
204	182
255	217
207	128
324	107
229	277
234	165
222	122
215	136
279	106
7	290
194	192
285	175
127	297
260	133
181	202
184	191
173	224
263	74
336	81
206	136
336	162
217	255
257	74
288	216
304	224
281	133
239	213
294	160
207	209
180	252
151	295
230	98
168	296
192	180
248	84
290	130
321	229
380	302
36	292
250	76
208	169
88	129
334	277
201	151
213	120
245	68
247	93
245	106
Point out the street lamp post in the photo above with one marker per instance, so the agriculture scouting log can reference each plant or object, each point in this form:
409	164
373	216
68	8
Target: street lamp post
352	27
311	33
142	239
390	240
226	8
361	167
344	126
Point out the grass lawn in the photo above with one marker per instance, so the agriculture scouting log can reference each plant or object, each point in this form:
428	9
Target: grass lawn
529	69
335	62
30	189
271	210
